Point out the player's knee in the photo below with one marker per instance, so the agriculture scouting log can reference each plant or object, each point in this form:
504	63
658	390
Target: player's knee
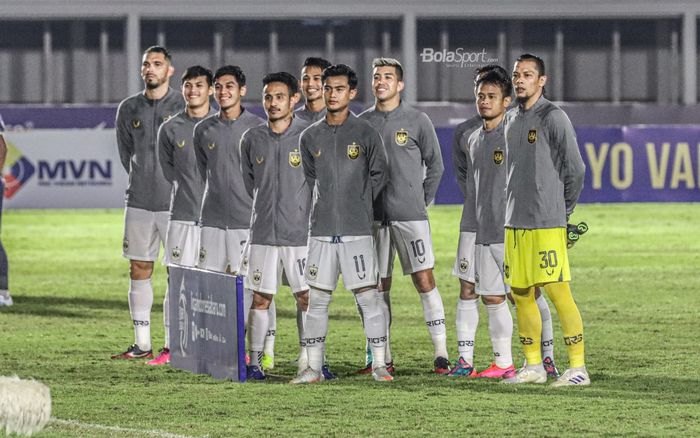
385	284
423	280
261	301
302	300
518	293
493	299
467	290
140	270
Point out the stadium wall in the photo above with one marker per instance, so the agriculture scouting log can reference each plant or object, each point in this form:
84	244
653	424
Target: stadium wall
66	157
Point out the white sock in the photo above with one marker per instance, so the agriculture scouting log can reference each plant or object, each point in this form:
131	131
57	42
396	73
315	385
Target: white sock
257	329
467	321
375	324
269	348
385	305
303	360
247	303
316	327
547	332
434	314
501	332
166	318
140	303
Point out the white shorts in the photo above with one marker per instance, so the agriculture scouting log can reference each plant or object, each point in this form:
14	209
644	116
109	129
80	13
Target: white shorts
464	264
182	243
411	240
488	270
266	264
143	233
353	257
221	250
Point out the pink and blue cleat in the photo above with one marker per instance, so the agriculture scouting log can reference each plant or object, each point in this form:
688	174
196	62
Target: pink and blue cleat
163	358
496	372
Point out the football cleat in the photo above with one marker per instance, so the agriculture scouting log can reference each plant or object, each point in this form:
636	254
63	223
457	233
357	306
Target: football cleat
267	362
5	301
381	374
496	372
162	358
254	373
327	374
528	374
442	365
573	377
134	352
462	369
366	370
308	376
550	367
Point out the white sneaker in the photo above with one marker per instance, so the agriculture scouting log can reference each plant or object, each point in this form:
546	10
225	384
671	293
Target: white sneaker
381	374
528	374
308	376
5	301
573	377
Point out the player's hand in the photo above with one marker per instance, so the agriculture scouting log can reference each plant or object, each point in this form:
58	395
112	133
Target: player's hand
574	232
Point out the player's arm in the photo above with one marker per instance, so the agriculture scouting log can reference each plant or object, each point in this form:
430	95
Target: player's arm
307	161
432	157
572	168
378	167
461	162
246	163
165	153
200	155
125	142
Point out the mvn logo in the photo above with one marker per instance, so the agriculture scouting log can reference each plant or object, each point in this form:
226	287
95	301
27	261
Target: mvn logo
20	170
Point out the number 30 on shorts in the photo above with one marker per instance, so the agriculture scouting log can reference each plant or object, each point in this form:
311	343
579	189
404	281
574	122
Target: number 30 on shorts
549	259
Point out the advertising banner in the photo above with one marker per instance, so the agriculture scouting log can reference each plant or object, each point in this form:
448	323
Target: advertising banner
63	168
206	331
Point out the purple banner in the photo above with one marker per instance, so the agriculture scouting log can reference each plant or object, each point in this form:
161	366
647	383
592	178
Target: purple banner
623	164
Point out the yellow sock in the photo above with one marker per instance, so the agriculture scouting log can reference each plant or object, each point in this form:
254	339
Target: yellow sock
529	324
571	323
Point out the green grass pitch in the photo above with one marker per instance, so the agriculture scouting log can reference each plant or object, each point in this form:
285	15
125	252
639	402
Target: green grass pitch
636	278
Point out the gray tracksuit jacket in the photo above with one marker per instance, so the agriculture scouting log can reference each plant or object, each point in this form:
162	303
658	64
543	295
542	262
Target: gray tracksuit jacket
274	177
487	150
309	117
138	120
347	164
226	203
545	168
179	164
415	163
461	160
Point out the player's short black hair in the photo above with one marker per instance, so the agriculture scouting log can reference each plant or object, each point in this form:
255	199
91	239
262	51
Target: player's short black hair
536	59
232	70
487	68
287	79
389	62
196	71
159	49
341	70
499	78
313	61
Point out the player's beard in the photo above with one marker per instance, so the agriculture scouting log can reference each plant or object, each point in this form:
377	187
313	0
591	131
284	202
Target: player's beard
152	85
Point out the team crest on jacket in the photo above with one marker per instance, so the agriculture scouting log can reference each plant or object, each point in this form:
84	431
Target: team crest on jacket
295	158
136	123
211	145
353	150
401	137
498	156
532	136
181	144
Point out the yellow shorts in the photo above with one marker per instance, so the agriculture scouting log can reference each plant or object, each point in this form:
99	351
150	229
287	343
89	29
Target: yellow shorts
535	257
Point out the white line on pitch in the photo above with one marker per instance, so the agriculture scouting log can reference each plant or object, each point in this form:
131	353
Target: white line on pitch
152	433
